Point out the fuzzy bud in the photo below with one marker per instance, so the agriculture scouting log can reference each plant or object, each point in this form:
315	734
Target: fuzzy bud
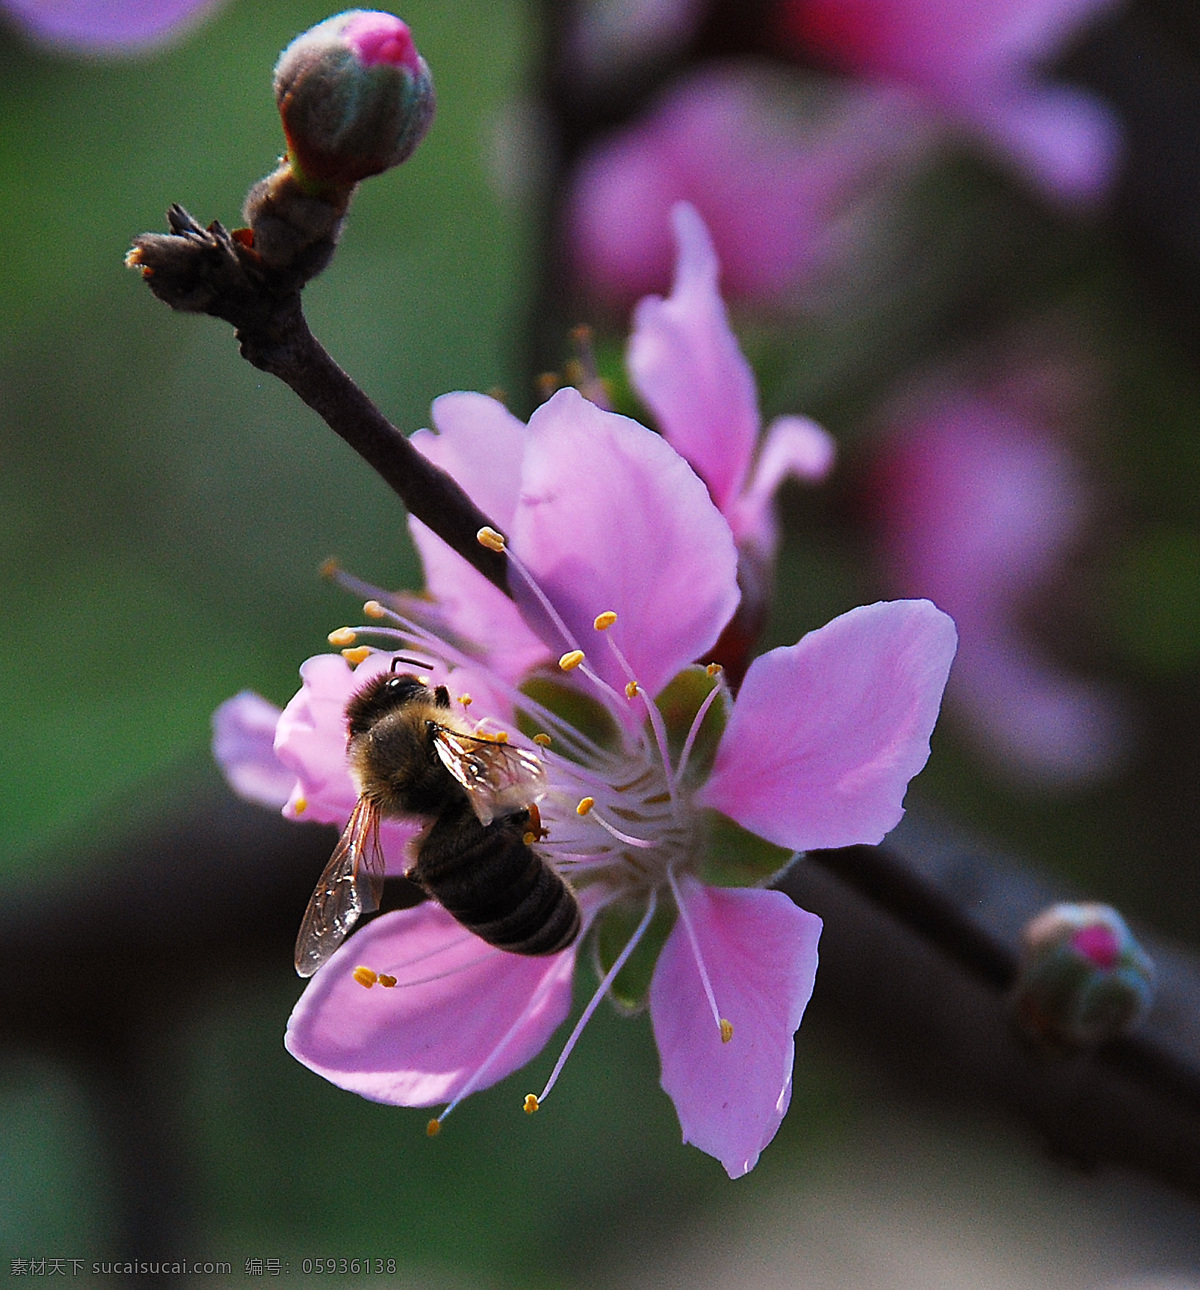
1082	978
355	97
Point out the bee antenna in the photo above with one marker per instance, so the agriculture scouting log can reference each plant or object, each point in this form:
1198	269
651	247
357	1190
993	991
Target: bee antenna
412	662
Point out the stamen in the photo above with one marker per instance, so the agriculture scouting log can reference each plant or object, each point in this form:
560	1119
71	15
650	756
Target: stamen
531	1104
410	633
584	371
387	981
630	841
465	700
364	976
480	1072
359	654
543	741
697	722
373	609
342	636
656	722
300	805
713	668
604	621
330	569
585	805
571	660
488	537
601	990
433	1128
723	1025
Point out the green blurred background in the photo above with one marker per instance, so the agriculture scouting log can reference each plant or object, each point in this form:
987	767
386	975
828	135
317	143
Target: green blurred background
164	511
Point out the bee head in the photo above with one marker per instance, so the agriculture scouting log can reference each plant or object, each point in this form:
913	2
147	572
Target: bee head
387	692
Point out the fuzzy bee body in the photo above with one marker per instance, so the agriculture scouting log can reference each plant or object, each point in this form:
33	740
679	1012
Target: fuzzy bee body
410	756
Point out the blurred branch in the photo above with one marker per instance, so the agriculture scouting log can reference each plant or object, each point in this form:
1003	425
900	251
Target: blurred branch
919	943
918	952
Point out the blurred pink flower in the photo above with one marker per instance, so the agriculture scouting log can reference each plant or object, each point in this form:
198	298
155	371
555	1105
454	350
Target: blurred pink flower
105	26
980	62
687	784
979	508
781	184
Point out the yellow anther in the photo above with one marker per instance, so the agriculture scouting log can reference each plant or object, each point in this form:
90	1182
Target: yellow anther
604	621
357	655
500	737
465	700
571	660
300	805
433	1128
330	568
488	537
364	976
631	690
542	741
585	805
388	981
373	609
529	838
343	636
531	1104
726	1031
713	668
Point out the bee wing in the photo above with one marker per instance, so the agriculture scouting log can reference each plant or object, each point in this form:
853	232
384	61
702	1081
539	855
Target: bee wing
350	886
499	778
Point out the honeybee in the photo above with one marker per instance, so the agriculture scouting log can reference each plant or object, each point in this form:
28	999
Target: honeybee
410	755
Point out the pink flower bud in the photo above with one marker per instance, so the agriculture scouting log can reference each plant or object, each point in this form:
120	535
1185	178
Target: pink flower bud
1082	979
355	97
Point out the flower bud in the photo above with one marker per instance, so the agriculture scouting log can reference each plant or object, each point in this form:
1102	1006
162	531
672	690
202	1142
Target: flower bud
355	97
1082	978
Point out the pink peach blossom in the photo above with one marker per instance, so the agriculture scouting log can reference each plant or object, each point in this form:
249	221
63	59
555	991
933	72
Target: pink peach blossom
980	62
784	181
979	507
651	794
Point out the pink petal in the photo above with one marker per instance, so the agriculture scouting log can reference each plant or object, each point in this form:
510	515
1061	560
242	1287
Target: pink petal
825	734
108	26
244	748
980	508
472	1013
612	518
684	361
782	179
1067	141
760	951
981	63
310	738
793	447
482	445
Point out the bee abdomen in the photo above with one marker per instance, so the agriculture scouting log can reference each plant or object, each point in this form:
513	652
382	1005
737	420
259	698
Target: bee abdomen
495	885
